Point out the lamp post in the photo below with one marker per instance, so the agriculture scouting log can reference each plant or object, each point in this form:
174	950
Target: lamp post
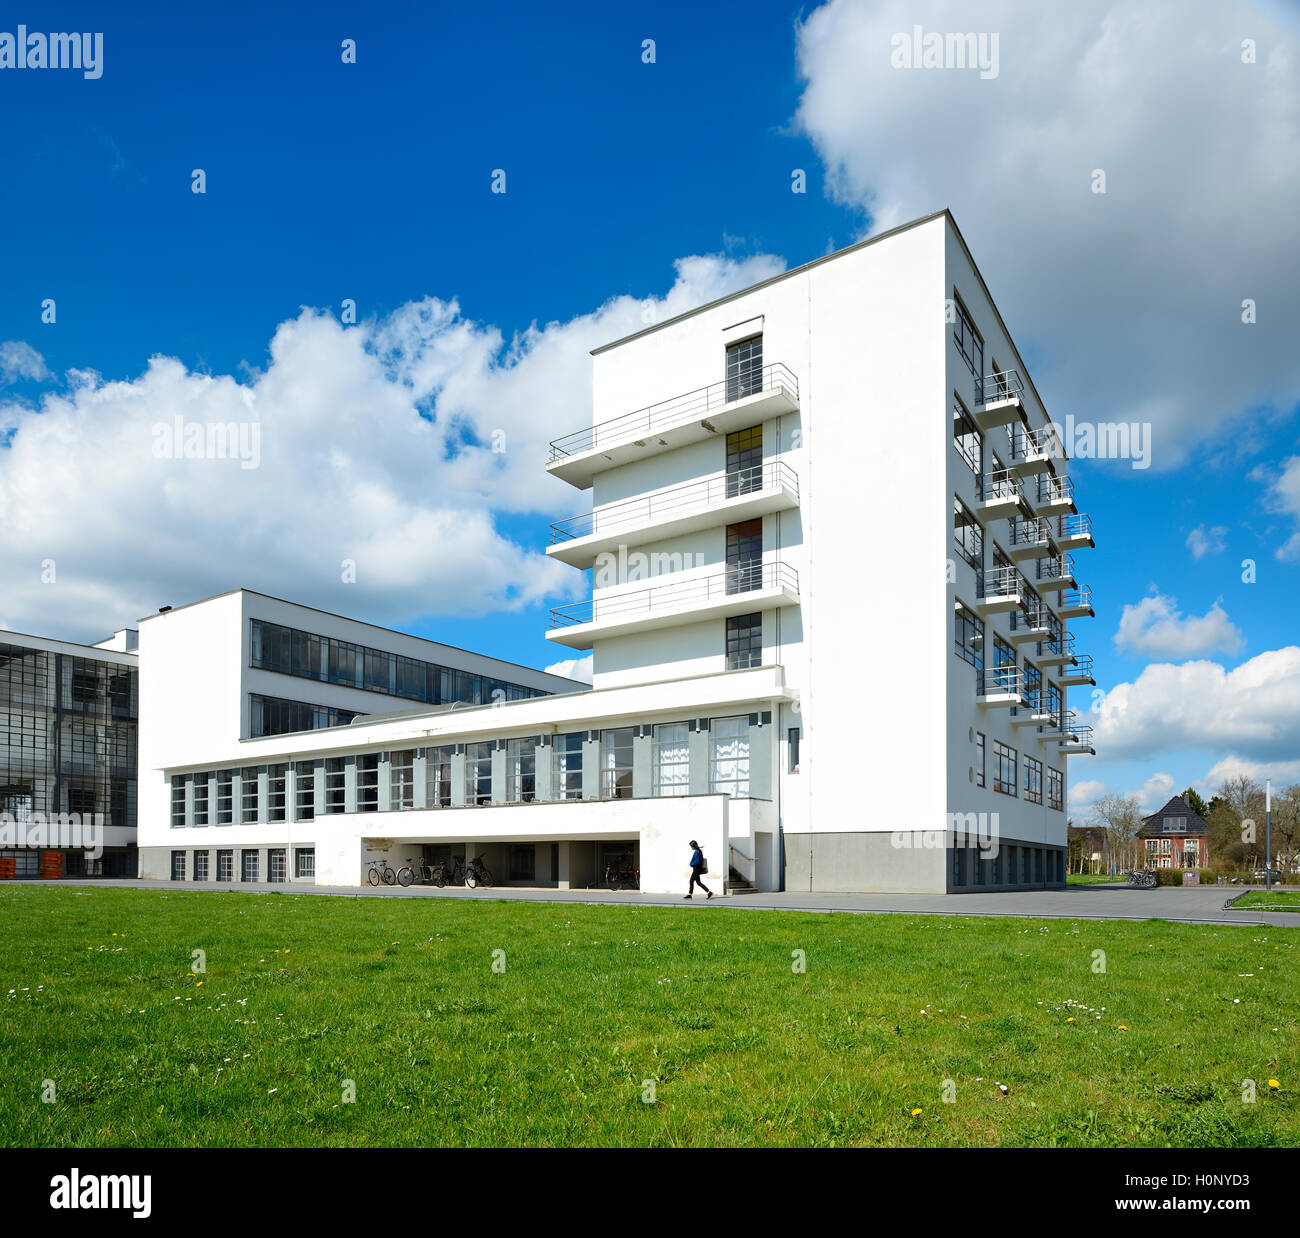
1268	834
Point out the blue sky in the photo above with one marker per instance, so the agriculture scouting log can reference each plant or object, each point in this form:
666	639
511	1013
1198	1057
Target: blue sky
631	183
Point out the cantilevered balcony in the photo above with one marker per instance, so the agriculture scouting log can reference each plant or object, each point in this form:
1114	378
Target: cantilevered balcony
1074	532
1076	603
1080	674
1078	741
1030	625
1055	572
1033	451
725	499
997	400
1031	539
1058	652
1053	496
1001	496
1035	713
729	405
999	589
1001	685
735	591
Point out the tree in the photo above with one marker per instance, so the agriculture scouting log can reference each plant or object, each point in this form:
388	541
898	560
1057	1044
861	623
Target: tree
1121	817
1196	804
1286	827
1243	801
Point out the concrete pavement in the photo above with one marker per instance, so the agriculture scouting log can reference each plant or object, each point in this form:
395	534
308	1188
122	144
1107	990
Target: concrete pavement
1192	905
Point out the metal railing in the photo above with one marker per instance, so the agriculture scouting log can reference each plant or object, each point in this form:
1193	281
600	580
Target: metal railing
744	578
1053	489
1002	386
1063	645
1030	618
1074	526
999	582
1077	598
1006	680
773	475
1082	667
681	409
1081	735
1045	441
1029	531
1055	567
1001	484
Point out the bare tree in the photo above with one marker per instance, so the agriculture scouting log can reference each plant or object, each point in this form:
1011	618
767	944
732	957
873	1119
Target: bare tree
1286	827
1121	817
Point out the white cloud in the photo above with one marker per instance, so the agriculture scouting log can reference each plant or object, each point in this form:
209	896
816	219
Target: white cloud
1201	154
1283	773
1252	710
573	668
18	359
1152	794
1155	628
1202	541
1284	497
398	444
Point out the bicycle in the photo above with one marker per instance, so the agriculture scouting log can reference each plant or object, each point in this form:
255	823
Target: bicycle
380	870
477	874
415	870
448	873
623	877
1142	879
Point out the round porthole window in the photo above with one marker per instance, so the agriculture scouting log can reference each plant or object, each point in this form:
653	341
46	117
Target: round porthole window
971	735
971	773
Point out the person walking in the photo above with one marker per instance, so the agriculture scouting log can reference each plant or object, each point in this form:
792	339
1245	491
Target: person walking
697	867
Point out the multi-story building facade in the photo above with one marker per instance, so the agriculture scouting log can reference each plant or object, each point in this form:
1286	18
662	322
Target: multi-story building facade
68	718
830	537
1175	837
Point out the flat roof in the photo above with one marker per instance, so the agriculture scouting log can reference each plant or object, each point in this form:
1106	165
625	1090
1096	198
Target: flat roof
365	623
70	646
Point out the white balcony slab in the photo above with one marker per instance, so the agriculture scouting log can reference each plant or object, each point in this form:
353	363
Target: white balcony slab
1000	412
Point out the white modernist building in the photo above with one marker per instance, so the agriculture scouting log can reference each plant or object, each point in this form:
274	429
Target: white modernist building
829	536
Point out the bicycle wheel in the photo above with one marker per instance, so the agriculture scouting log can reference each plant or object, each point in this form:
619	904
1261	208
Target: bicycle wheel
613	883
440	879
471	878
405	876
389	876
374	877
484	877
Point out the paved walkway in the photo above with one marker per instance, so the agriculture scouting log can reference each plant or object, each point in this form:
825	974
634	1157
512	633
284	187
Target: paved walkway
1197	905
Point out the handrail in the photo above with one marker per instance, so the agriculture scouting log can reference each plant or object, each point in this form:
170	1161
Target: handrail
1081	595
1031	531
1003	679
677	411
743	578
1045	441
1001	386
1001	484
1056	567
1078	735
1057	488
1082	665
775	474
1075	525
997	582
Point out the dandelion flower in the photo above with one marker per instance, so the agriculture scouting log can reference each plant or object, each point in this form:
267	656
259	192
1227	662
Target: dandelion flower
1273	1083
916	1113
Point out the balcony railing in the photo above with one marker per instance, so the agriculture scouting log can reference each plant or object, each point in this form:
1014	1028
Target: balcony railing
657	418
1074	527
1080	735
999	582
744	578
1053	489
1035	534
1001	485
1006	680
633	513
1061	646
1055	568
1079	598
1082	668
1002	386
1028	444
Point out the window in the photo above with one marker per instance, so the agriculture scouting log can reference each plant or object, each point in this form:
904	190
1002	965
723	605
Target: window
745	556
438	775
402	785
379	671
568	766
969	634
368	782
178	800
616	763
672	759
1004	654
523	862
225	865
729	756
275	865
478	773
268	715
225	796
792	749
979	758
1055	789
967	534
744	461
969	344
304	791
249	861
305	859
200	799
744	641
1013	866
248	793
1053	699
1175	825
1004	768
335	785
200	866
277	777
178	866
1033	686
966	437
1033	780
521	770
744	368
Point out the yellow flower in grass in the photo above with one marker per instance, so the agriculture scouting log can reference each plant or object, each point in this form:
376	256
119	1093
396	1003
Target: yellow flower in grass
1070	1019
916	1113
1273	1083
1123	1027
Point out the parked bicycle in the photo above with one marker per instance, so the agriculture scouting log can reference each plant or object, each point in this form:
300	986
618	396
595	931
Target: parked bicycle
1142	879
415	871
477	874
380	870
623	876
449	872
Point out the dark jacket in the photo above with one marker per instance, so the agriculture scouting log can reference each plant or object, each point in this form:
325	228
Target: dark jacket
697	858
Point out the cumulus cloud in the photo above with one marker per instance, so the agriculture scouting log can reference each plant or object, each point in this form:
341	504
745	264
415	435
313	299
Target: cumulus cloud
573	668
1202	541
1252	711
19	360
1152	794
1282	773
1284	497
1201	154
396	445
1155	628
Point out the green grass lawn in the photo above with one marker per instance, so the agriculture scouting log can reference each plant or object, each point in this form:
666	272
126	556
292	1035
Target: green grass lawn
1284	900
303	993
1092	879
